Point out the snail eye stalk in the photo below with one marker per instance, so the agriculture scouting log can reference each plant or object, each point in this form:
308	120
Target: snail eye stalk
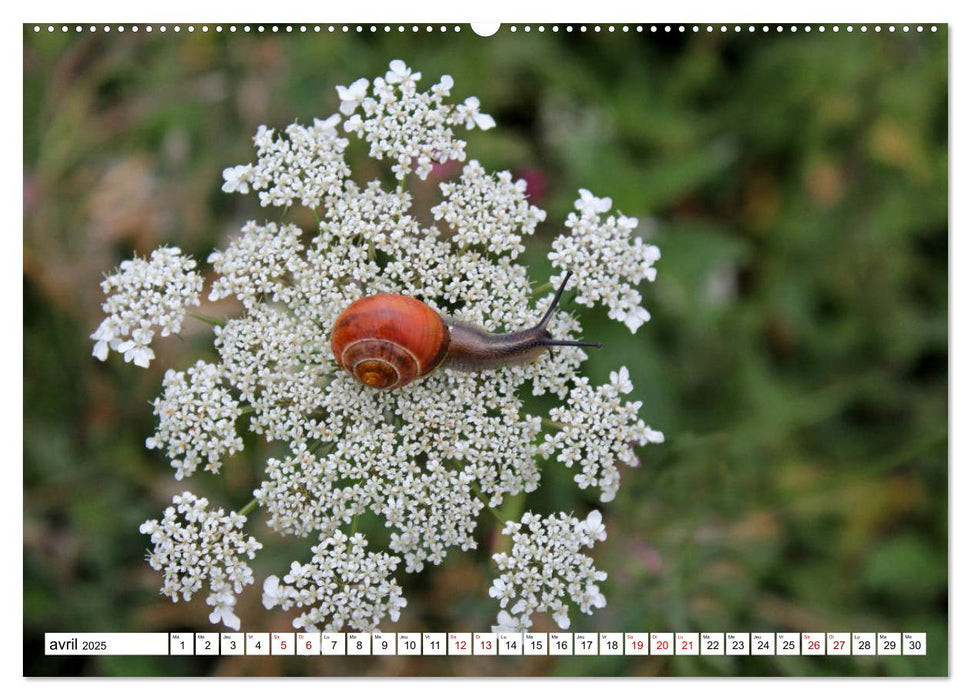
552	342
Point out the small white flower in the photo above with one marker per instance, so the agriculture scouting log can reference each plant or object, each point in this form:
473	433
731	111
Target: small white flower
352	96
590	205
236	178
595	526
272	593
227	616
469	113
621	381
401	73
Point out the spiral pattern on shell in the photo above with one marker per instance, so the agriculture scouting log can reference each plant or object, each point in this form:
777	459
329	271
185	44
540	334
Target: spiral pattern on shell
387	340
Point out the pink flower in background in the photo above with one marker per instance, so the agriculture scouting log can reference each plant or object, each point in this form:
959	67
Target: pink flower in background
537	184
445	171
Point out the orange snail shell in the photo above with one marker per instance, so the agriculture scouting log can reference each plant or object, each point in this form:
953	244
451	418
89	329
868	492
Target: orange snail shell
388	340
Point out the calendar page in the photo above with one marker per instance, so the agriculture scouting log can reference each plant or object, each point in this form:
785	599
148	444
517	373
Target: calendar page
610	349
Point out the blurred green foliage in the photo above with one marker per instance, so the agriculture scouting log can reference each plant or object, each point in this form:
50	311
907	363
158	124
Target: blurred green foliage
797	359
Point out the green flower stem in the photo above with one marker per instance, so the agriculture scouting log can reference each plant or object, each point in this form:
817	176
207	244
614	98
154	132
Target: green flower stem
545	287
553	424
205	319
249	507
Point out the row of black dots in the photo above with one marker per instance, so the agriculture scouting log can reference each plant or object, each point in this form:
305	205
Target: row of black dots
414	28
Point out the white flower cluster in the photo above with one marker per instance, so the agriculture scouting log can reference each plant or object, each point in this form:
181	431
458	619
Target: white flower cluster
343	584
607	262
598	431
257	264
277	364
393	111
305	166
145	295
498	207
430	458
196	419
198	547
547	569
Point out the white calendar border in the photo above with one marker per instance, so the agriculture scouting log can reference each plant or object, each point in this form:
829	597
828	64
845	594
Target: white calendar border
959	643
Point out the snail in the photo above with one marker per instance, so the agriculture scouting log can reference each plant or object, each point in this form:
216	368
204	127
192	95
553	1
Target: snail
388	340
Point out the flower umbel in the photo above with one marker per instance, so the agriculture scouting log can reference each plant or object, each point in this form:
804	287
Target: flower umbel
546	569
198	547
145	295
427	461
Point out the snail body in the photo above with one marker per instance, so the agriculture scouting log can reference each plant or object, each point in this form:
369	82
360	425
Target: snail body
388	340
